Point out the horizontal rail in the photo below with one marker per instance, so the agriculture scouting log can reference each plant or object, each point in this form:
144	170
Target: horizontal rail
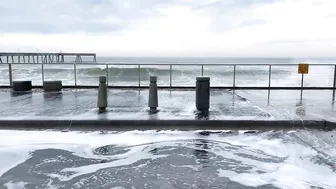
182	87
177	64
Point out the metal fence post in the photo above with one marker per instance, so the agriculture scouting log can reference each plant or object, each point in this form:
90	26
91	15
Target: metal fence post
202	69
107	75
139	74
335	77
75	74
269	77
234	76
42	67
302	82
170	76
301	88
10	75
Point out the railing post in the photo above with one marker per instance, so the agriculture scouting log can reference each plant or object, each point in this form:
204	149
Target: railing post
301	88
107	76
42	73
335	77
10	75
302	81
202	69
170	76
139	74
75	74
234	76
269	77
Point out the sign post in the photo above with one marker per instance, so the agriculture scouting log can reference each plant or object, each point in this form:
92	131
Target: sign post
303	69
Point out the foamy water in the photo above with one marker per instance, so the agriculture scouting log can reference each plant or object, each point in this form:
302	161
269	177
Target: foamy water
169	159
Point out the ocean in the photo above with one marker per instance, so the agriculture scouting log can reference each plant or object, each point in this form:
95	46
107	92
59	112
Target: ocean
283	71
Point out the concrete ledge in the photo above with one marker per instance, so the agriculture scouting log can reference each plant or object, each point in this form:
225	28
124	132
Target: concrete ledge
52	86
164	124
21	86
330	125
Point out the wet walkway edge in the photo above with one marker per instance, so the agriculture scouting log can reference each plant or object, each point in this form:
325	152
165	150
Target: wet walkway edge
124	125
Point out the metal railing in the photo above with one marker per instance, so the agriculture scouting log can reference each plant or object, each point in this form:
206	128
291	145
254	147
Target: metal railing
171	66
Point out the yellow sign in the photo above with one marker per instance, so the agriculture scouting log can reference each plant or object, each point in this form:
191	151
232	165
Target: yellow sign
303	68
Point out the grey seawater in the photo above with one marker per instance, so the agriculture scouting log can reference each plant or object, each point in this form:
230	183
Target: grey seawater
184	163
182	75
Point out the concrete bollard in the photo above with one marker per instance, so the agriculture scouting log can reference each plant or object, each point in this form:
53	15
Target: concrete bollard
153	94
202	93
102	94
52	86
21	86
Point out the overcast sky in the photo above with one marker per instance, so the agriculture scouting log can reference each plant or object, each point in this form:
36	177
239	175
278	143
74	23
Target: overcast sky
230	28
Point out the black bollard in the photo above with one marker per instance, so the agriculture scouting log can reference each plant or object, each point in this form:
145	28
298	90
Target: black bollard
202	93
102	94
21	86
153	94
52	86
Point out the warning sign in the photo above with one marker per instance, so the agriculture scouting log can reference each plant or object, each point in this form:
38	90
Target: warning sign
303	68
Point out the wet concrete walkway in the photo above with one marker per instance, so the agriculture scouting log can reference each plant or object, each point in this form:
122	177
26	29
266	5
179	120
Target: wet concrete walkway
132	104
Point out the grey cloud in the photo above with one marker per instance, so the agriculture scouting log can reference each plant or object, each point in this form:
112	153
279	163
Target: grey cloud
229	15
64	16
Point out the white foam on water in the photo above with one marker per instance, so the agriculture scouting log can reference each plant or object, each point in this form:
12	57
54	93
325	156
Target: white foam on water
136	154
15	146
15	185
295	169
10	158
290	174
225	117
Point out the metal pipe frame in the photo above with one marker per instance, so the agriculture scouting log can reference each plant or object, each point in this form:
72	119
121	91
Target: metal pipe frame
170	75
107	75
335	77
269	76
139	75
75	75
175	64
234	76
269	87
42	67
